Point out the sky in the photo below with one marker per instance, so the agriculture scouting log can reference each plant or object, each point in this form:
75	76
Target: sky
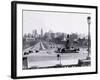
55	21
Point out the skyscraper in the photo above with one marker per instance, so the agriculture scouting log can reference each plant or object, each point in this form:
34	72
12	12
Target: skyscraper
41	32
34	33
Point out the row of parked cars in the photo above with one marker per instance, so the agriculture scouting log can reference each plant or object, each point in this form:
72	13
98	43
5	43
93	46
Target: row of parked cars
30	51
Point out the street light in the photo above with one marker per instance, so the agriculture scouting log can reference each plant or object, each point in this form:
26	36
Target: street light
59	58
89	19
89	43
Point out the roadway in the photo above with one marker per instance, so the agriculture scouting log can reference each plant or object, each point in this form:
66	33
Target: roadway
47	57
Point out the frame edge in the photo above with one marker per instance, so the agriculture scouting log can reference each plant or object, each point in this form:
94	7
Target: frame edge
13	40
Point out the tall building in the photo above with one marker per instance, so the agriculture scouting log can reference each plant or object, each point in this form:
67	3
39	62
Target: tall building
41	32
34	33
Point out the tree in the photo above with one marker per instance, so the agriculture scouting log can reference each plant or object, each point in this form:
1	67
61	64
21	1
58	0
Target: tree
29	35
73	36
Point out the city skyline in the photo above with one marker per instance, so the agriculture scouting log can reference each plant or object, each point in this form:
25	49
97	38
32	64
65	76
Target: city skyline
35	34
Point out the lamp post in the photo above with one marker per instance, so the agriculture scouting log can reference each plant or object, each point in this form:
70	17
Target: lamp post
59	58
89	43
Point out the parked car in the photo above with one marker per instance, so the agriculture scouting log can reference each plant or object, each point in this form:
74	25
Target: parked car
30	51
37	51
26	53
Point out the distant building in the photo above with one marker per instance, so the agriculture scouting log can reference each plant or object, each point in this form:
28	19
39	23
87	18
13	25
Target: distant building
58	34
30	39
41	32
34	33
65	37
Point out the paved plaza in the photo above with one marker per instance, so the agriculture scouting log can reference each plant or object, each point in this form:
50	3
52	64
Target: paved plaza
46	55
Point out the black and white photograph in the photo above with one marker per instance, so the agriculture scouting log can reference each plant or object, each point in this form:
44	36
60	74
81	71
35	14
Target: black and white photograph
56	39
53	39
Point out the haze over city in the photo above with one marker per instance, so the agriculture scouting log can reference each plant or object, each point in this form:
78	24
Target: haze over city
56	22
